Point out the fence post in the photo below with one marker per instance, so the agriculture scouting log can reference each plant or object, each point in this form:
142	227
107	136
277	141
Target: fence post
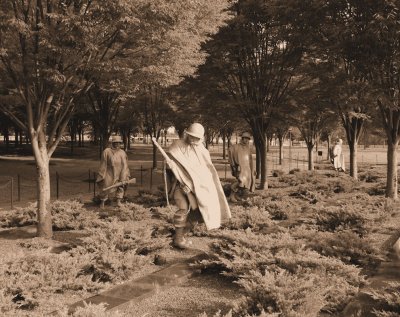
12	193
141	175
19	187
57	185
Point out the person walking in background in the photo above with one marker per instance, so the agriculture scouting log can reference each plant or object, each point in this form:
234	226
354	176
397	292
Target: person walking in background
113	169
241	162
196	187
338	157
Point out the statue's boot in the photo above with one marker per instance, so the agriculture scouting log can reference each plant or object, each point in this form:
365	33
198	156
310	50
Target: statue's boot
232	197
179	241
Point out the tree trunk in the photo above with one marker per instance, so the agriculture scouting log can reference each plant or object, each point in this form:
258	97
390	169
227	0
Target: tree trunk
310	148
44	225
261	147
16	143
154	156
7	139
72	143
328	154
353	160
263	163
79	138
258	164
223	146
280	150
392	176
129	139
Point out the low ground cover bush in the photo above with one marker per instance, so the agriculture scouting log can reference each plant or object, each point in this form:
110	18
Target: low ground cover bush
388	298
66	215
248	218
278	207
18	217
72	215
117	250
339	218
113	249
282	275
35	279
150	198
345	245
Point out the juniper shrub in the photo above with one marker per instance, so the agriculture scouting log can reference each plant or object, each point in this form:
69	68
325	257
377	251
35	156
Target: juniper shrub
119	249
284	265
388	298
252	217
35	278
72	215
18	217
150	198
66	215
338	218
277	207
346	245
277	173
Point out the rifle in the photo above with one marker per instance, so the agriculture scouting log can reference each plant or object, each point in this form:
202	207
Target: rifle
174	168
123	183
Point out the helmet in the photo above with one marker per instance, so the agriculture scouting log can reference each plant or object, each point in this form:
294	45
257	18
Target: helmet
246	135
116	139
196	130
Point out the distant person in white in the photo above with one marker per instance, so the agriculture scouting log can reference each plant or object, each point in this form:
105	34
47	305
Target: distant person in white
338	157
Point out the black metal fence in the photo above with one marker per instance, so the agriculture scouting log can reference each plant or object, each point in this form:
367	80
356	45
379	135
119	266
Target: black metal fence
21	188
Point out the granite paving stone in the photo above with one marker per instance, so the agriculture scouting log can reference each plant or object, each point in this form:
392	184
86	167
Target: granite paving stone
142	287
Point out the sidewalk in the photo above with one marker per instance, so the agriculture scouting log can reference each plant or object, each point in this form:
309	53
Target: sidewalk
363	304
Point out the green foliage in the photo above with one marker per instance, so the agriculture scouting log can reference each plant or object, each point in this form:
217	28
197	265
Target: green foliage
303	193
388	297
346	245
338	218
150	198
28	279
67	215
252	218
276	271
294	171
129	212
277	173
117	249
71	215
281	293
369	177
299	178
377	190
277	207
18	217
